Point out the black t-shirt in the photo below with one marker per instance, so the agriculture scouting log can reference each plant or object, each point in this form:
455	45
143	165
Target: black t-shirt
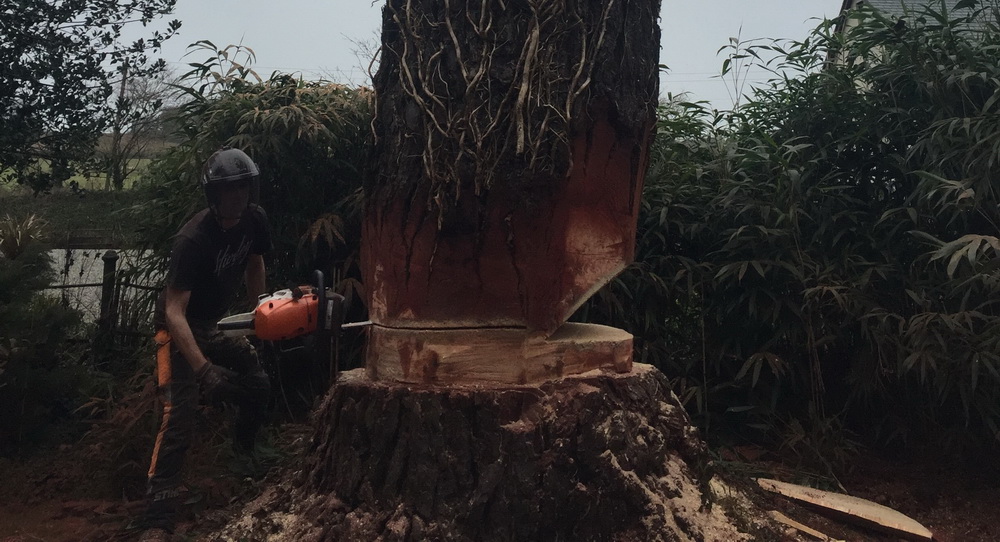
209	262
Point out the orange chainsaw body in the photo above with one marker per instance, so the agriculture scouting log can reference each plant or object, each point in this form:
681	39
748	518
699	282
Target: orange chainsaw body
285	317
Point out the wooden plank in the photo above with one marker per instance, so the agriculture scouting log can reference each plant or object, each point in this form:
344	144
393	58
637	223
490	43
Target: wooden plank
785	520
852	509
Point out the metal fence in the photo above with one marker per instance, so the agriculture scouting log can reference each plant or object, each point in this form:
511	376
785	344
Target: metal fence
107	288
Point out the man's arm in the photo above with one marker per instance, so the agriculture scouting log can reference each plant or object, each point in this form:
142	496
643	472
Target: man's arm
180	331
254	275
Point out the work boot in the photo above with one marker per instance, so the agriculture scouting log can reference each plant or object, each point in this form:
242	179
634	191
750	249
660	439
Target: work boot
155	535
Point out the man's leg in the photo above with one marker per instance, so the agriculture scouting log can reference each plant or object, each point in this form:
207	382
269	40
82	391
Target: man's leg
178	393
238	354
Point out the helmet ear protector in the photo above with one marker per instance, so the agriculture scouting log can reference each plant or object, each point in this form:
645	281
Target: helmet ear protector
226	170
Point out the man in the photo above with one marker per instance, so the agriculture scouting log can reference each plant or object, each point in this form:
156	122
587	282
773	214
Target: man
211	255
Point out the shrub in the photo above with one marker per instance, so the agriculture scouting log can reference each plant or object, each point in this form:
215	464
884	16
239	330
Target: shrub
40	375
830	248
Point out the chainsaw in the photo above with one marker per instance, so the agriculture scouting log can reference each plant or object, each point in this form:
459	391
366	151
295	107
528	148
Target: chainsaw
310	315
290	313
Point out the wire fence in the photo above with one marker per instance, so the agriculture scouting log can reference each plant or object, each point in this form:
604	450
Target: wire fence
110	289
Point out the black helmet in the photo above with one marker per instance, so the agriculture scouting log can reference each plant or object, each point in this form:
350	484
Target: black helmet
224	168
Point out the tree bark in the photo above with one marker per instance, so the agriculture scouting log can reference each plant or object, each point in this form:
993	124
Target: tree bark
511	144
597	456
510	147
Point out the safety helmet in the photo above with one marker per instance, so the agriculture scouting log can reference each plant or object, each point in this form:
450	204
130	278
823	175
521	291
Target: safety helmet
224	169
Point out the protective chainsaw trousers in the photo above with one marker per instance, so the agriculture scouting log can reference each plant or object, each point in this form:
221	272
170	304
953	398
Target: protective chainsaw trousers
178	393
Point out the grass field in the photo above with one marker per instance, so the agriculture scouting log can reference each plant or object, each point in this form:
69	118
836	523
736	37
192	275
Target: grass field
98	182
67	213
87	182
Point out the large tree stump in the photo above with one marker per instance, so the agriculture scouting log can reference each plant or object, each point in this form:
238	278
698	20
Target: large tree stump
596	456
511	141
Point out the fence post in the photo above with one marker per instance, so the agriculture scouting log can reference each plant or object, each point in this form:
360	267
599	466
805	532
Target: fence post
106	320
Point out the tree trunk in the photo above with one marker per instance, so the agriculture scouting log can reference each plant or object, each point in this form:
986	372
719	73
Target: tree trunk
511	142
115	154
597	456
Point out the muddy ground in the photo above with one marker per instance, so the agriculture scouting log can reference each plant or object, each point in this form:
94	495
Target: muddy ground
62	494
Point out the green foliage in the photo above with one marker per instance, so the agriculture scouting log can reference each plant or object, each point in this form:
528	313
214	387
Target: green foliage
60	61
308	138
66	213
16	235
125	418
38	382
831	246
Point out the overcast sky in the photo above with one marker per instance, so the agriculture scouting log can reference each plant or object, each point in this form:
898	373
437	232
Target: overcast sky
322	37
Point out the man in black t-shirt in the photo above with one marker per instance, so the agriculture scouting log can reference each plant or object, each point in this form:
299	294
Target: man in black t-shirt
212	254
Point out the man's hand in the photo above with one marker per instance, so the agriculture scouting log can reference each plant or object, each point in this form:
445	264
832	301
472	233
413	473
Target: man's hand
217	383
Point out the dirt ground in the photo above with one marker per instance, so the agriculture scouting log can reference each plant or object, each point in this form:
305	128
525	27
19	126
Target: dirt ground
955	499
57	497
956	502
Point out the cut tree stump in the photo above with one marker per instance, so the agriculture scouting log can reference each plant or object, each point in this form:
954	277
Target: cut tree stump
511	140
596	456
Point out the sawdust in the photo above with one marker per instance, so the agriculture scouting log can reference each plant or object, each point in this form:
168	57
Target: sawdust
651	465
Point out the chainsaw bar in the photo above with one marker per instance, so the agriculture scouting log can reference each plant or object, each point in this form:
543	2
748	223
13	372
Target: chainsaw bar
237	325
356	324
241	325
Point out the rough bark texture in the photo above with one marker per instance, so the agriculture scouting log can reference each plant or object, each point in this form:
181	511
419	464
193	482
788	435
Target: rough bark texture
511	259
510	148
489	94
511	144
598	456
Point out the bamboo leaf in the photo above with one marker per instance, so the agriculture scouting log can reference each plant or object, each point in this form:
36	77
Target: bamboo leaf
747	365
973	249
956	257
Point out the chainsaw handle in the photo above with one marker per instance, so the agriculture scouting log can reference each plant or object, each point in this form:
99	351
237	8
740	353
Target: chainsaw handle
318	281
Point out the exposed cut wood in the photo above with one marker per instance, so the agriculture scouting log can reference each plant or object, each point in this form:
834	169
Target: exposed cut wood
852	509
785	520
511	144
512	258
469	356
